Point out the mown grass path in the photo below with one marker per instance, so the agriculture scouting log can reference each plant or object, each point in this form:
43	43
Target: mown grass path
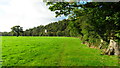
51	51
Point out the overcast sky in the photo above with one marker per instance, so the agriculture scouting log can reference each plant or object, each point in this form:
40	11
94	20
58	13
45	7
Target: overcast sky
26	13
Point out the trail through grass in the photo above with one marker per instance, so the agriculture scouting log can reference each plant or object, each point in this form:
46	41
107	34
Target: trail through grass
51	51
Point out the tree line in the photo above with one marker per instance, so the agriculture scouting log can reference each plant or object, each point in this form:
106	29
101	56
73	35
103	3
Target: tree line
60	28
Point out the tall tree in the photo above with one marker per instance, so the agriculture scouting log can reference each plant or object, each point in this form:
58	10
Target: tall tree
17	29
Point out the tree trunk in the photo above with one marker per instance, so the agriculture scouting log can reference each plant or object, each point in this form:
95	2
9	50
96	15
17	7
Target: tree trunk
18	34
113	48
101	44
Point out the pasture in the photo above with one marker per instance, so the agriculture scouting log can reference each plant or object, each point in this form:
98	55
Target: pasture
51	51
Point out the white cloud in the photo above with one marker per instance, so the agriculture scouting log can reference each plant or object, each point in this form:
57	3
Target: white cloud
26	13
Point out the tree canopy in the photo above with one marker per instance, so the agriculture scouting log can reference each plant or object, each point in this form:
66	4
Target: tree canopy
17	30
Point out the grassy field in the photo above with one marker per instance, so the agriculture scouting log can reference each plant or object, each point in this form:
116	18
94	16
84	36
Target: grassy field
51	51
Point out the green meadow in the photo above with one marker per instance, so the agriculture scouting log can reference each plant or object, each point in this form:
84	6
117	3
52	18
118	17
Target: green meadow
51	51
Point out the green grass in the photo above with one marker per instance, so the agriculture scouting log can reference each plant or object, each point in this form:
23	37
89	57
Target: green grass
51	51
